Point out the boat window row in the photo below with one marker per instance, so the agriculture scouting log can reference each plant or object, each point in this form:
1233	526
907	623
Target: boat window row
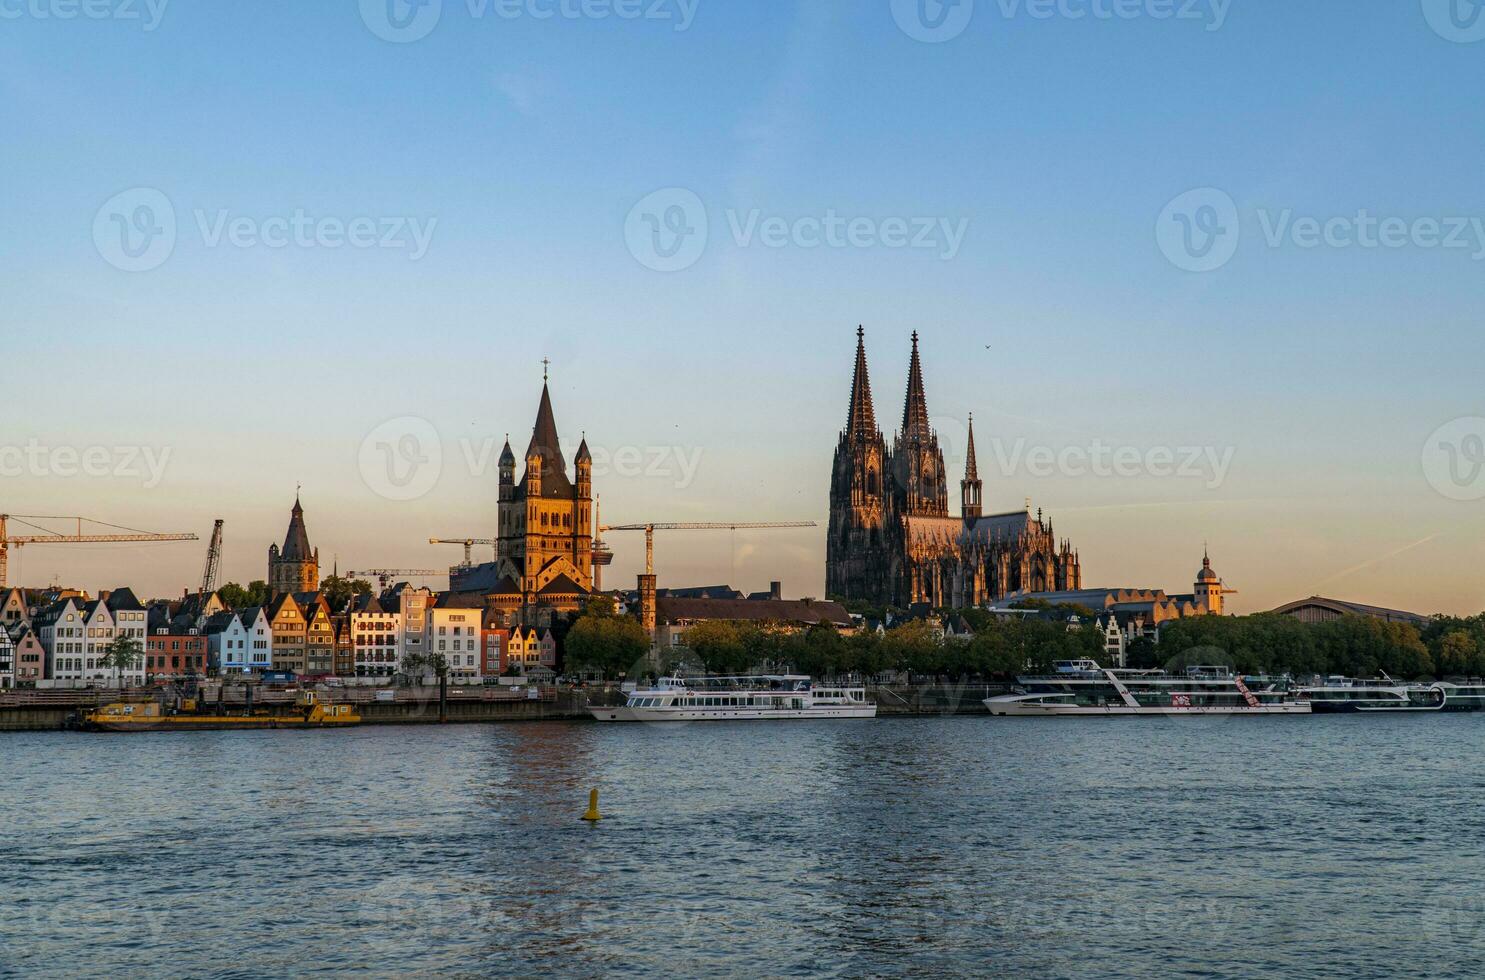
738	701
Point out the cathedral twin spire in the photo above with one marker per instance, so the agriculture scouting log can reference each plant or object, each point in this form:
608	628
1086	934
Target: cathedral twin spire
862	418
916	428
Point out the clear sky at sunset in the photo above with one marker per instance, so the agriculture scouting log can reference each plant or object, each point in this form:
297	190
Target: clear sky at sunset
282	243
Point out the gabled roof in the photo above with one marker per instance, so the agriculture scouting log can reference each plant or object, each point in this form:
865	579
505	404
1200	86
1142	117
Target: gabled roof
308	599
276	605
18	631
54	612
195	602
561	585
124	600
220	622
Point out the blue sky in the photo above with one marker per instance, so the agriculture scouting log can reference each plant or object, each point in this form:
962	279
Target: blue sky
522	146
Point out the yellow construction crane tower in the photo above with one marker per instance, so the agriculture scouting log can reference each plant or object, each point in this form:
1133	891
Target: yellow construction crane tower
647	581
49	536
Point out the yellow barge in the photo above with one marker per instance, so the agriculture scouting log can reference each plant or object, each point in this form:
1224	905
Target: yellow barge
150	716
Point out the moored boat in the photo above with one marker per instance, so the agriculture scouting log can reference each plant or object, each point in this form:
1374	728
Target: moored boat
764	697
150	716
1083	688
1338	694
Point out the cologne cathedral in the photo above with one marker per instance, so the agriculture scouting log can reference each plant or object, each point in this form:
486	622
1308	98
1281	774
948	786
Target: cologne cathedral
892	539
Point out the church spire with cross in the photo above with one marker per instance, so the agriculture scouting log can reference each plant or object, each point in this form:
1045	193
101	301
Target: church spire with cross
917	460
915	427
861	420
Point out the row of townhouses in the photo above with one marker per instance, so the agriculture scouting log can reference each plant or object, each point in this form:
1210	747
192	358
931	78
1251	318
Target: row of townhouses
62	638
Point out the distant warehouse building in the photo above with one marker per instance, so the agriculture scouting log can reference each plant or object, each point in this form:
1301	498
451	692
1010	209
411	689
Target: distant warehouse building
676	614
1318	609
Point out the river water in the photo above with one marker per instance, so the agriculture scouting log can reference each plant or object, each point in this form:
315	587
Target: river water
1319	846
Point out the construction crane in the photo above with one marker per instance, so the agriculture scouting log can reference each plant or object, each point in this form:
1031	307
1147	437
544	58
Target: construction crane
651	528
647	583
48	536
384	576
213	561
468	544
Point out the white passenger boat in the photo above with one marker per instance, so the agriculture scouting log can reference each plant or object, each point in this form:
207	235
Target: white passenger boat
764	697
1083	688
1345	694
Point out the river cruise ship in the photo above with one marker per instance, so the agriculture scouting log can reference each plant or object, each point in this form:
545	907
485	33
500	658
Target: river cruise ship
1348	695
770	697
1083	688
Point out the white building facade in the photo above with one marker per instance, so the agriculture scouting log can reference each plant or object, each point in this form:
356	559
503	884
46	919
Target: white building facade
60	630
454	633
375	632
227	644
257	630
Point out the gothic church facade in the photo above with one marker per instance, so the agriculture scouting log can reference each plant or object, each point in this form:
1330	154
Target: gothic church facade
891	539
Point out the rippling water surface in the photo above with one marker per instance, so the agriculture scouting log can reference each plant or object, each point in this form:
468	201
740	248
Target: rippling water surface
1056	847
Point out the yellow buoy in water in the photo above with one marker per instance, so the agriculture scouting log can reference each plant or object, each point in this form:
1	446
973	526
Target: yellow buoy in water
593	814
